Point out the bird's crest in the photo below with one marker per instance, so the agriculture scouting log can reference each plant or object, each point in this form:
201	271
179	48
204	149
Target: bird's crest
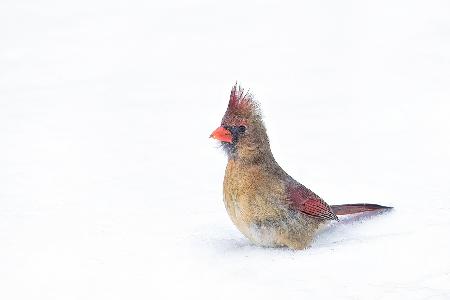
241	104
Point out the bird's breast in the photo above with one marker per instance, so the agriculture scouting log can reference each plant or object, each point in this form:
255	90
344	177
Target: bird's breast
258	207
249	223
254	204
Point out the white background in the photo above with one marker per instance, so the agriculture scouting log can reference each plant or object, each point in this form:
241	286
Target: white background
111	189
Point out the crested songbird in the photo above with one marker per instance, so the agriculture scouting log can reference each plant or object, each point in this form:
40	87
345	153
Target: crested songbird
267	205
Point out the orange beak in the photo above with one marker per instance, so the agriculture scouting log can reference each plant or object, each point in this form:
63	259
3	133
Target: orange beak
222	135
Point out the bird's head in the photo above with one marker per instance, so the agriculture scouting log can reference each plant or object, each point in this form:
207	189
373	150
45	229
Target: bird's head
242	132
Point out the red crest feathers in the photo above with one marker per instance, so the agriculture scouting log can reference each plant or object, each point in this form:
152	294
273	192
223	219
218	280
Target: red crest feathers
241	105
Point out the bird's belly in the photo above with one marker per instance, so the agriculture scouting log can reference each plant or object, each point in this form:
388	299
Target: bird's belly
263	235
249	224
268	236
271	229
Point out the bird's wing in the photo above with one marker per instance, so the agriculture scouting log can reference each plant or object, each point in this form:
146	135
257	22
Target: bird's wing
305	201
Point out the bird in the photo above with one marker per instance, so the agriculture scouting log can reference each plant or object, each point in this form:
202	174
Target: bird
265	203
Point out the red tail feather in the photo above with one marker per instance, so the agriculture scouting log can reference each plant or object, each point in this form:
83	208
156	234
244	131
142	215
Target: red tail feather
348	209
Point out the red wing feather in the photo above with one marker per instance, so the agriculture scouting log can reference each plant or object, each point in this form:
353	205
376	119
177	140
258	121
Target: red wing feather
305	201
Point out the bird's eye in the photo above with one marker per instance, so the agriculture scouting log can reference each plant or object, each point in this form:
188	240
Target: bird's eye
242	129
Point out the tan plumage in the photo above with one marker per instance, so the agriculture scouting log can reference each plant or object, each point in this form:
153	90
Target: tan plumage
256	201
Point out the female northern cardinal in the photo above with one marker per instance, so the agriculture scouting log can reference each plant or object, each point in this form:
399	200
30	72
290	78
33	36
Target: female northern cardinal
266	204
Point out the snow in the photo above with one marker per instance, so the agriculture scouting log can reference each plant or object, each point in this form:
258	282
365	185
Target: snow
111	189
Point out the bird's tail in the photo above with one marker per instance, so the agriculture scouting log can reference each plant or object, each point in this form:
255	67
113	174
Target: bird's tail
349	209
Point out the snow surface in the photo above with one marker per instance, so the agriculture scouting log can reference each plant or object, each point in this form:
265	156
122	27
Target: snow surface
111	189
